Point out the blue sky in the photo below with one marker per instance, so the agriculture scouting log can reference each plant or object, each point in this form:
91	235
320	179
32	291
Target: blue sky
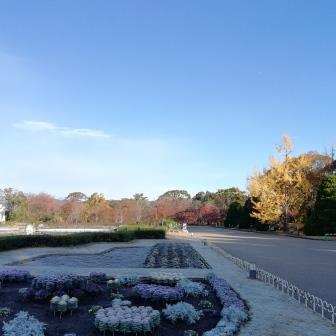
144	96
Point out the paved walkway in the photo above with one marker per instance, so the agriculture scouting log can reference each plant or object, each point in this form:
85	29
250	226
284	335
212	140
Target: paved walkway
272	313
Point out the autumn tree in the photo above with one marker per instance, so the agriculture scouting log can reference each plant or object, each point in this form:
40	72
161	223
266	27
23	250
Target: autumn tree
170	203
189	216
42	207
209	214
284	190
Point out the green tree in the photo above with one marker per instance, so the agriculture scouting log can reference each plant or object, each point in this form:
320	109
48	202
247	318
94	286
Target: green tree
15	204
176	194
323	217
224	197
234	215
76	196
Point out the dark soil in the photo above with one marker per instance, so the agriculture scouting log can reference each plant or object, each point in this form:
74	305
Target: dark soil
81	322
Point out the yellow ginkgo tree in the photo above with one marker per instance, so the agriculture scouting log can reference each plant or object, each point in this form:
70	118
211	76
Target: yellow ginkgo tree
283	191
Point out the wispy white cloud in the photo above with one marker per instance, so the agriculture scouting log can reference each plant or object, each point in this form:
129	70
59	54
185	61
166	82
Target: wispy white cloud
42	126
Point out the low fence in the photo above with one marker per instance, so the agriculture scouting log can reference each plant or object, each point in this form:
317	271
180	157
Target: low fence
318	305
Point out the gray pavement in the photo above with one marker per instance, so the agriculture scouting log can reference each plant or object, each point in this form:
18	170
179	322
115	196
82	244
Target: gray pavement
309	264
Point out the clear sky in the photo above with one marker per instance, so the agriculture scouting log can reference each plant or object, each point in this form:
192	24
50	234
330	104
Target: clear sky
144	96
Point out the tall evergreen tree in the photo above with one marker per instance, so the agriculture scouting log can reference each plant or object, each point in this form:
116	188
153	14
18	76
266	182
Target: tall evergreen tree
323	217
235	215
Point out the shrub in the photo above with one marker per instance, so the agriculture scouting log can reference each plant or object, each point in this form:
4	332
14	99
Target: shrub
157	292
127	319
192	288
24	325
20	241
182	311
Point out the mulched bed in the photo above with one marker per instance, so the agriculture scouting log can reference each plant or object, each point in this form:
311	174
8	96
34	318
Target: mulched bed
174	255
81	322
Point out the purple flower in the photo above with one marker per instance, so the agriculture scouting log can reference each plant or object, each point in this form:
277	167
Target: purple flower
14	275
77	292
42	295
157	292
97	277
93	289
225	293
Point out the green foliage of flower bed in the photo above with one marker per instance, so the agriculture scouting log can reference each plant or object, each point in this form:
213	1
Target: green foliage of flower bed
14	242
174	255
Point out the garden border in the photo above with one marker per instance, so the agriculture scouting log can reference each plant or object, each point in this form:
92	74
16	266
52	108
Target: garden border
318	305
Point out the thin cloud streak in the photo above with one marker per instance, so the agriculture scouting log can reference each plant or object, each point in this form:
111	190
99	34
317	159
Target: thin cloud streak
42	126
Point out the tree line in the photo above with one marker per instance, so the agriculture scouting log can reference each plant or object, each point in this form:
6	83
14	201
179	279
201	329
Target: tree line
78	208
292	193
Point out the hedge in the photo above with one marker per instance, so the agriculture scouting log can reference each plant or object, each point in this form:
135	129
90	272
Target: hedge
20	241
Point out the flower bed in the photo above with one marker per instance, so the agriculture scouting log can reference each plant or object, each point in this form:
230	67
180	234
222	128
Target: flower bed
174	255
234	312
79	316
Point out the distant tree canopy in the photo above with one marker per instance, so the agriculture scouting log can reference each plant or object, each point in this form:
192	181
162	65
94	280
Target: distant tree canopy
76	196
176	194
